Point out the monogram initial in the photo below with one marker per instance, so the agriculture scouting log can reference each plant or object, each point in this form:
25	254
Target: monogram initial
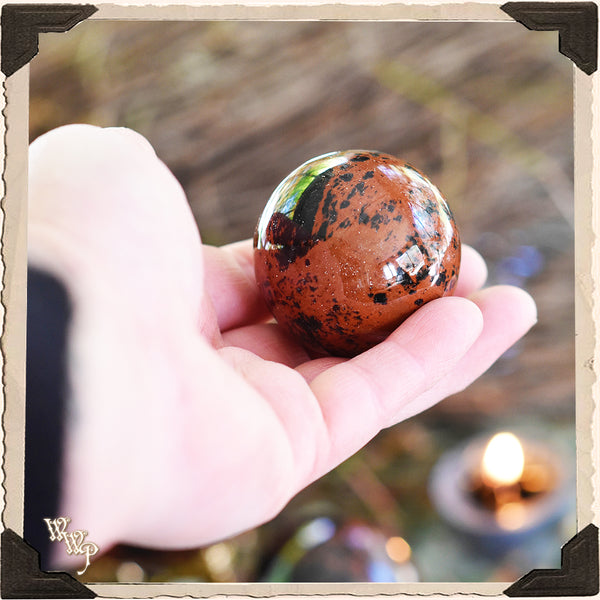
73	539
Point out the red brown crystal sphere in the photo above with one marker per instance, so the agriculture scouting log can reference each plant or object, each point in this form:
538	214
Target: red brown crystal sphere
349	245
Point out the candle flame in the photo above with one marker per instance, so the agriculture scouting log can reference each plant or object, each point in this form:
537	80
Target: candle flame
503	459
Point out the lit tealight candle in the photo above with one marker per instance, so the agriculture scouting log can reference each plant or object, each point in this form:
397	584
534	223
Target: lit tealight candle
501	483
502	467
498	489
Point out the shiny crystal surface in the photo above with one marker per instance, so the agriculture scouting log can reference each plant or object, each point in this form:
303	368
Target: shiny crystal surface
349	245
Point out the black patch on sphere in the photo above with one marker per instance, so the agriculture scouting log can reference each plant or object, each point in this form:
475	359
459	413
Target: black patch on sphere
309	202
376	221
308	324
363	218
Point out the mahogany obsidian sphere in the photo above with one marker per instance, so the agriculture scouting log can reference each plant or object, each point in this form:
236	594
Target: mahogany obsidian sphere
349	245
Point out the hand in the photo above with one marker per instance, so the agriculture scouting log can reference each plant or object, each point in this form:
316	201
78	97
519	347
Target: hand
193	416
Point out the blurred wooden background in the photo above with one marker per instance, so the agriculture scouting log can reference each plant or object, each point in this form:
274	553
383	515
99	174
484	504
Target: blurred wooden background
484	109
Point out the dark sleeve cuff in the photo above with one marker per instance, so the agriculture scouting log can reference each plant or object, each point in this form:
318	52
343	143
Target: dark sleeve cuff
48	317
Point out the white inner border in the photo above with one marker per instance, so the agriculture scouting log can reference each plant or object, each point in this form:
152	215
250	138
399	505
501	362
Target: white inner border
13	220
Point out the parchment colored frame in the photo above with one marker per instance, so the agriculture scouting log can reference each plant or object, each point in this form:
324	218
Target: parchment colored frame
579	555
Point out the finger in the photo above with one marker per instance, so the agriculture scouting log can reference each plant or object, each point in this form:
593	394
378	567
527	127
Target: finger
345	406
269	341
207	324
311	369
360	396
508	313
473	272
243	253
231	286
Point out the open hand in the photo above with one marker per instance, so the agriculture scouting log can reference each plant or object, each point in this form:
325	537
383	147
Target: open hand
193	415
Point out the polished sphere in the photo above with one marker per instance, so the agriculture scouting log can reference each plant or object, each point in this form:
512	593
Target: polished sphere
349	245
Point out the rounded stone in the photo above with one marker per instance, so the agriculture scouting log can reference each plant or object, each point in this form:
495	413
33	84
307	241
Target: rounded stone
349	245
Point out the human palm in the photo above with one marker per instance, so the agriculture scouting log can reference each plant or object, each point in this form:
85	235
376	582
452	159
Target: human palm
197	416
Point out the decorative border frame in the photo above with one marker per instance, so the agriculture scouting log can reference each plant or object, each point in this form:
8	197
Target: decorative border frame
577	24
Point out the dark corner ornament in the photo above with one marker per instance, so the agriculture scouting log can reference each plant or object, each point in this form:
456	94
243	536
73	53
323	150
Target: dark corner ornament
577	576
22	578
576	22
21	24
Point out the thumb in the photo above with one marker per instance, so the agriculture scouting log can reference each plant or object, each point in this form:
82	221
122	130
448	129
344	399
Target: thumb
103	205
